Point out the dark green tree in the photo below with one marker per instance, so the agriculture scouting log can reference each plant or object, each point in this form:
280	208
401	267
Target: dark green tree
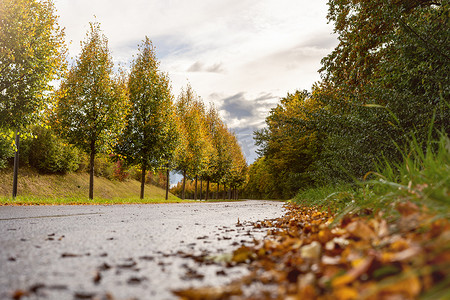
290	143
32	54
150	137
92	103
384	81
195	148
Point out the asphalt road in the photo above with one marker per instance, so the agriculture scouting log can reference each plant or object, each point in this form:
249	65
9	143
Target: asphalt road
123	251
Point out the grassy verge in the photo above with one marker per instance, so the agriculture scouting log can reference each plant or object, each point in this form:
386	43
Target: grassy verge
30	200
422	178
72	189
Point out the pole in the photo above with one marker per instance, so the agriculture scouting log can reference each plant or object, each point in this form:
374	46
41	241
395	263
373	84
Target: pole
16	166
167	183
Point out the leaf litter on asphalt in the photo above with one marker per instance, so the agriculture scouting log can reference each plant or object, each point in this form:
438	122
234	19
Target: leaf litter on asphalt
307	254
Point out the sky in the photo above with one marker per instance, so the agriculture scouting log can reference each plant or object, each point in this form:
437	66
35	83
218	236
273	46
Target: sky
240	55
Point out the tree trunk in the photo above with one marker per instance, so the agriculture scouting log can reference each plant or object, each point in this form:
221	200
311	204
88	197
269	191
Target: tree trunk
91	170
167	183
229	193
195	190
16	166
201	188
217	192
207	190
144	167
184	185
224	191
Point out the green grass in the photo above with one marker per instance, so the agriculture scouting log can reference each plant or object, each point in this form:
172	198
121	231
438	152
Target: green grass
423	177
30	200
72	189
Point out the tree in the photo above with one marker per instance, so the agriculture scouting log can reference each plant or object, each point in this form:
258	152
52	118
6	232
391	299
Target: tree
197	145
32	53
220	159
385	80
260	184
92	103
290	143
150	137
236	174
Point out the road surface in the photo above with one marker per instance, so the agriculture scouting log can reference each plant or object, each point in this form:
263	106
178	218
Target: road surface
122	251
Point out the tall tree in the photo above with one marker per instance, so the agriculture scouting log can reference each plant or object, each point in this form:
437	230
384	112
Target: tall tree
32	53
150	137
385	80
92	103
198	147
216	129
237	173
289	143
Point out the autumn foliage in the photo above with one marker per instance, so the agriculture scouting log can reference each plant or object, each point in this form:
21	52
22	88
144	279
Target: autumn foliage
310	254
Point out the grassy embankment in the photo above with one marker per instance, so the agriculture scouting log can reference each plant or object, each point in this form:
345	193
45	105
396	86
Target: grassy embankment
422	178
72	189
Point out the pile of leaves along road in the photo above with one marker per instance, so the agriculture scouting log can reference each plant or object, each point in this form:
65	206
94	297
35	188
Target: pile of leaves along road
357	257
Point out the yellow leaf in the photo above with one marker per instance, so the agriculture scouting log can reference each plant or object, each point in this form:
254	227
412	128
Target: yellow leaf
345	293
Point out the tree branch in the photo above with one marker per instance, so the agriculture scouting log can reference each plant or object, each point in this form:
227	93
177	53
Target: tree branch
427	43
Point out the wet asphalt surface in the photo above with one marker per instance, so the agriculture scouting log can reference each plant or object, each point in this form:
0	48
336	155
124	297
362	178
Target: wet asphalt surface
122	251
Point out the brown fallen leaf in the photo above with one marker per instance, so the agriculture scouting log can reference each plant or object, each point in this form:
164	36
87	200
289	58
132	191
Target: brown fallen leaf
242	254
84	295
136	280
346	293
65	255
104	267
127	265
209	293
407	208
311	251
360	230
97	277
354	273
18	294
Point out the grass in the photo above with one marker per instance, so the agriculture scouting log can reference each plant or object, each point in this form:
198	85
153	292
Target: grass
30	200
423	177
72	189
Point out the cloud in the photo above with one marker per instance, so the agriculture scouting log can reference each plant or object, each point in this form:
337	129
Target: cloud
245	114
243	109
200	67
246	141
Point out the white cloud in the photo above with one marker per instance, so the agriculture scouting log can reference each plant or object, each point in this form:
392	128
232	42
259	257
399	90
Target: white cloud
224	48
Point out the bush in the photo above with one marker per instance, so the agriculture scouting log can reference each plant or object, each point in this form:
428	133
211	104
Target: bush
103	166
112	168
48	153
6	151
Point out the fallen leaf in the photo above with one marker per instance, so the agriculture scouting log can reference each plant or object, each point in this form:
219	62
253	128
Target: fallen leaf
83	295
65	255
128	265
345	293
210	293
311	251
242	254
407	208
97	277
136	280
360	230
354	273
18	294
